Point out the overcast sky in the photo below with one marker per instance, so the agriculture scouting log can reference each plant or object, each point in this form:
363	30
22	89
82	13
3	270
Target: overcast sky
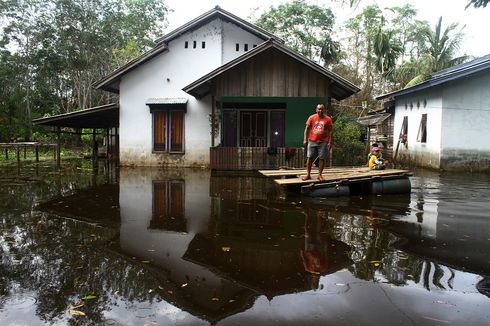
476	21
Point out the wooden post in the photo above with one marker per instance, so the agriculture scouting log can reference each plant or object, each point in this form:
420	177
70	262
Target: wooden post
6	153
213	119
37	152
94	147
58	147
107	144
25	152
18	153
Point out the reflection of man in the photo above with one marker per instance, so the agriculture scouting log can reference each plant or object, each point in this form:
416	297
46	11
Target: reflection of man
314	258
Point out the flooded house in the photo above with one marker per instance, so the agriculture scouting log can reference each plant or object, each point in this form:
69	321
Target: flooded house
442	123
219	92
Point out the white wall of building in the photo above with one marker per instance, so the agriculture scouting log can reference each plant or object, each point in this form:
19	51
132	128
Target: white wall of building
164	77
466	117
414	106
233	35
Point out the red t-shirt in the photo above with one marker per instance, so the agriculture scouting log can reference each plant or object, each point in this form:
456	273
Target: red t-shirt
319	127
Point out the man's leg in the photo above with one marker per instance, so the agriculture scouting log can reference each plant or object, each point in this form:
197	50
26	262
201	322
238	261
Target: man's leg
309	163
321	164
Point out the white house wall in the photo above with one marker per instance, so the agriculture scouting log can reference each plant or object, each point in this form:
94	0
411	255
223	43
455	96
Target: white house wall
414	106
164	77
233	35
465	123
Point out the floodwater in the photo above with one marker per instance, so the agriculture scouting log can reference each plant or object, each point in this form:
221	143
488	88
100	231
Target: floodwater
183	247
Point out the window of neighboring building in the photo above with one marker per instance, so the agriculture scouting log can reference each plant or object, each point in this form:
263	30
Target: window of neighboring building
422	135
168	131
203	44
186	44
246	47
237	47
168	206
194	44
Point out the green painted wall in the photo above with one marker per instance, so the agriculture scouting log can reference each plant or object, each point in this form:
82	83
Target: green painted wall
298	109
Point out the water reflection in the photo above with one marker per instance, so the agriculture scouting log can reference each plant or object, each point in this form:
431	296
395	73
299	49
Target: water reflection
187	247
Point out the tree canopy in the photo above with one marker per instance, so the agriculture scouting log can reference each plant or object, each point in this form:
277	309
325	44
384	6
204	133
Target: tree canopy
53	51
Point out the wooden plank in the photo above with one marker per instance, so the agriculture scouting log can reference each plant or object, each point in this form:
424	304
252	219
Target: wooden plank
343	177
302	171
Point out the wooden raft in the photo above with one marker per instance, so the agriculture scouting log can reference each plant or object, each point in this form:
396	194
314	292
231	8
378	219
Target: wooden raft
343	175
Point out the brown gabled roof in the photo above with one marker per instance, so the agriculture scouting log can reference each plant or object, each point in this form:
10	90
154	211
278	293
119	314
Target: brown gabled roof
110	82
214	13
341	88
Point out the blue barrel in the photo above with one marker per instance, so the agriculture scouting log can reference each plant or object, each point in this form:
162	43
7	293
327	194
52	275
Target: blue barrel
392	186
330	191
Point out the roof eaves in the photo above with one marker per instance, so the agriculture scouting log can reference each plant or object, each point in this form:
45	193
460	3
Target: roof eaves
107	82
100	108
343	83
441	78
216	12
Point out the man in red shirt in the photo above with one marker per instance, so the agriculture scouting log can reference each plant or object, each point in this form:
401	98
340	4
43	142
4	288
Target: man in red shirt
318	134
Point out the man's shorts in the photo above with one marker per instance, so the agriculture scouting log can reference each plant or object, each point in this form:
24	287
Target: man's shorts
317	149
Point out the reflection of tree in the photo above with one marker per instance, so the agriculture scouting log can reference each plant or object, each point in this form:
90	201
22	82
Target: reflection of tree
61	260
375	256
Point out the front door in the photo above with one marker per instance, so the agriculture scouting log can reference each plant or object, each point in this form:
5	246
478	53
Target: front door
253	128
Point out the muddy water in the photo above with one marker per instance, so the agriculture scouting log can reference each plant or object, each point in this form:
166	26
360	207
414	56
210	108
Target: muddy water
184	247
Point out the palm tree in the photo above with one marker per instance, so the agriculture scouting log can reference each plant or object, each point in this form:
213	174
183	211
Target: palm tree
387	49
438	52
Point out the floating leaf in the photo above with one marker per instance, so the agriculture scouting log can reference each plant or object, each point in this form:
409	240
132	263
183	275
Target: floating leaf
89	297
145	261
215	299
150	290
76	312
225	249
184	285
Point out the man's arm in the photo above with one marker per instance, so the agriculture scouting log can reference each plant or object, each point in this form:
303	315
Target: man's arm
306	134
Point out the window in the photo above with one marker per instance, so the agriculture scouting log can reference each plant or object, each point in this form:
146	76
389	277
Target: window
186	44
203	44
237	47
168	206
422	135
168	131
246	47
194	44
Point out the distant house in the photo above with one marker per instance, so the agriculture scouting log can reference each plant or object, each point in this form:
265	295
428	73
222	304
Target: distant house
443	123
218	92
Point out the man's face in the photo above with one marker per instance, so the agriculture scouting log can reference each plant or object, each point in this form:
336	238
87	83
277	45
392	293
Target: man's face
319	110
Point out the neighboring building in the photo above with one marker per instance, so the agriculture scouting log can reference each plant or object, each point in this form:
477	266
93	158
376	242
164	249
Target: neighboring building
442	123
218	92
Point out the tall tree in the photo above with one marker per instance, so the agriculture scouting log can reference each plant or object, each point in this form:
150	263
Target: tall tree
477	3
63	46
439	52
304	27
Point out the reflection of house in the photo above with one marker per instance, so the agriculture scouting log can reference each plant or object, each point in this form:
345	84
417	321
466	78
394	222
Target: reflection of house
443	122
214	256
218	82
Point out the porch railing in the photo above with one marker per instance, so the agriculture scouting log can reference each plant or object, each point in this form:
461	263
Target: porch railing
256	158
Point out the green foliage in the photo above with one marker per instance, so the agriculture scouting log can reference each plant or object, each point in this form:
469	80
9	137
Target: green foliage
304	27
52	51
348	148
477	3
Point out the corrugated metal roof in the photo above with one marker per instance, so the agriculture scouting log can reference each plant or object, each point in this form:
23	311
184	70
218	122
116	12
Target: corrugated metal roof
104	116
166	100
374	119
444	76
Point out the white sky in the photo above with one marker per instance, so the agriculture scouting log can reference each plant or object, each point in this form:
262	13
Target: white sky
477	21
